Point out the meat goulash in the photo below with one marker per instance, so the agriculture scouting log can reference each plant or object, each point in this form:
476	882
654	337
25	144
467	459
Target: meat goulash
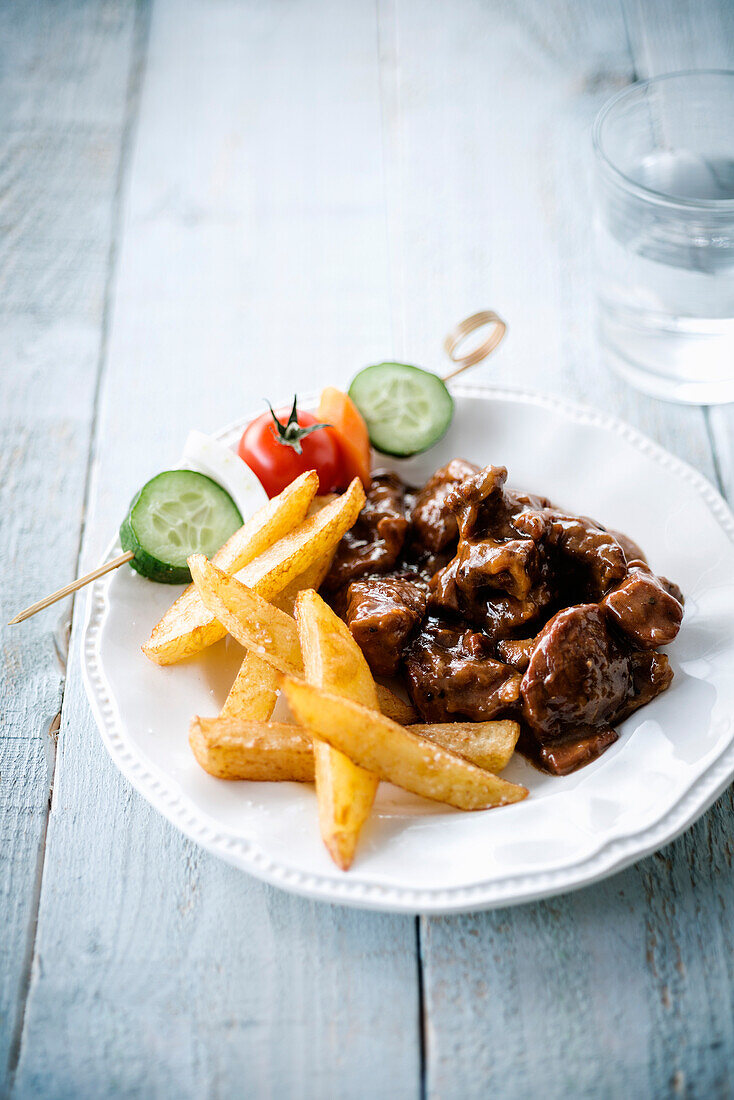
491	603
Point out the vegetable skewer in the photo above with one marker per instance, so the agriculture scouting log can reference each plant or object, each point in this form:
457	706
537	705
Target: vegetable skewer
451	345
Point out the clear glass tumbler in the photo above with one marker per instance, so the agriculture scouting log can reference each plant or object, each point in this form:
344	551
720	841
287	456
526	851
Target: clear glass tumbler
664	231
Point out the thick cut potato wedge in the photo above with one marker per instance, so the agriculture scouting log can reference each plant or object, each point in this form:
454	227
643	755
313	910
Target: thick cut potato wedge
311	578
187	627
261	751
256	624
269	575
254	693
395	708
271	634
320	501
317	537
332	660
255	690
489	745
396	754
234	745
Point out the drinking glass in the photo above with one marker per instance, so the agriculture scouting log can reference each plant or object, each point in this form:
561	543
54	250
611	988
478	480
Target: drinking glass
664	228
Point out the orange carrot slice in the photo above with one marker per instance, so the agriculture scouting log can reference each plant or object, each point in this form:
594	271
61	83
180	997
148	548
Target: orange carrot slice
337	408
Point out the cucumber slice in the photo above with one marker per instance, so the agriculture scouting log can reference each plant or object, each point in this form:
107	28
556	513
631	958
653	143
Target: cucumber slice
176	514
407	409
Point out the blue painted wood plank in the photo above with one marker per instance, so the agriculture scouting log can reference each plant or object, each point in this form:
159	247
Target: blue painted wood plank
255	188
624	989
160	971
60	131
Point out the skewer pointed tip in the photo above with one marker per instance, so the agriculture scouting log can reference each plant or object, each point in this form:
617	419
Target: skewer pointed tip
69	588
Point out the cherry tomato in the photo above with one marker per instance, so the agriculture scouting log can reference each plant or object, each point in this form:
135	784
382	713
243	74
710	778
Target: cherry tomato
279	446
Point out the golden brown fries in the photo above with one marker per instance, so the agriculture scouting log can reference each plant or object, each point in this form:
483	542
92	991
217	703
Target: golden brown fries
255	690
253	622
310	578
489	745
318	536
332	660
396	754
392	706
263	751
181	634
254	693
320	501
187	627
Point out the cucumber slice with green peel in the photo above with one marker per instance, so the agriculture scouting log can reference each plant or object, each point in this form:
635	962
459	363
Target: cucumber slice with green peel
406	409
176	514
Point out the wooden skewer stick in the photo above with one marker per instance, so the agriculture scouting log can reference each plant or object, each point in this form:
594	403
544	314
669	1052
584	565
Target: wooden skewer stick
68	588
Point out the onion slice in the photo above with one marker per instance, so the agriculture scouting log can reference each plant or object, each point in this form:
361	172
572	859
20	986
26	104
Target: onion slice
223	465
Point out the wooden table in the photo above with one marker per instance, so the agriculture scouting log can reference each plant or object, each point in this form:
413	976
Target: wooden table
204	202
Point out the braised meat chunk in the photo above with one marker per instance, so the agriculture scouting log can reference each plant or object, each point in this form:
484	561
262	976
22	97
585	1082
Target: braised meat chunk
578	676
382	613
451	674
516	652
375	542
579	545
651	674
493	602
496	577
563	757
505	616
479	503
643	608
510	565
434	523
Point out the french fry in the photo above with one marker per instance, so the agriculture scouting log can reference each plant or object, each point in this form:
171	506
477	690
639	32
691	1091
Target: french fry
318	536
271	573
330	657
396	754
332	660
235	747
263	751
320	501
489	745
256	624
310	578
255	689
187	627
254	693
395	708
271	634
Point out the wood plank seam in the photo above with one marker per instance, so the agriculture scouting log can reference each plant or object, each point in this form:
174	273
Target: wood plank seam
422	1011
132	101
30	944
389	89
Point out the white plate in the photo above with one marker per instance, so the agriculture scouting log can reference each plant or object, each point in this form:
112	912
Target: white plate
672	759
